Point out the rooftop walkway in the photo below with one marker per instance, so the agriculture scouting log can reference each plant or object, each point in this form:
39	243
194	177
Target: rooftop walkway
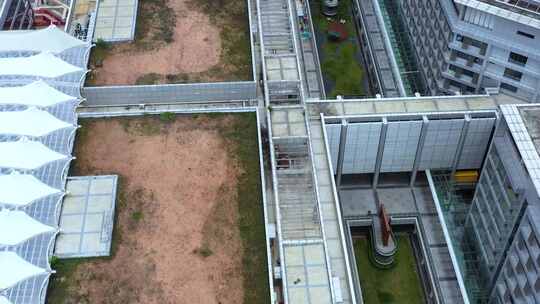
313	265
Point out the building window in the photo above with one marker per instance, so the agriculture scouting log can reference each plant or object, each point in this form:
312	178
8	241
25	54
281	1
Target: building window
512	74
477	17
525	34
517	59
508	87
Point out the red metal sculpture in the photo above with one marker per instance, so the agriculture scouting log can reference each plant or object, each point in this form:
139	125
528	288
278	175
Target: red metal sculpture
385	225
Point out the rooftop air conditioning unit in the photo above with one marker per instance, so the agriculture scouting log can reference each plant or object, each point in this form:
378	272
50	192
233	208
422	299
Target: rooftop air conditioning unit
459	38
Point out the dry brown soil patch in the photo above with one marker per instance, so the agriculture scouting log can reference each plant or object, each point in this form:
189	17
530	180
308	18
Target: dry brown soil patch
196	47
177	234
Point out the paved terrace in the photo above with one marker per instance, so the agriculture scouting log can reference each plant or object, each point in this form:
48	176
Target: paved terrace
406	203
408	105
315	267
313	80
278	46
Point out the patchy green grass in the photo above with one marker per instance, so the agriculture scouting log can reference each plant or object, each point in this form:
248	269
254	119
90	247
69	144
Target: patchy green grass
62	283
243	135
231	16
399	284
147	79
156	21
137	216
342	68
340	64
97	56
204	251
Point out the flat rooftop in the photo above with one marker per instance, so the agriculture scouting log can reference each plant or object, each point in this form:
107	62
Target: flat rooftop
531	118
116	20
523	123
409	105
522	11
528	8
87	217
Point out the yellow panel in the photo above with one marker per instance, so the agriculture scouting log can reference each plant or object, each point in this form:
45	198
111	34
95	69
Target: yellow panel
466	176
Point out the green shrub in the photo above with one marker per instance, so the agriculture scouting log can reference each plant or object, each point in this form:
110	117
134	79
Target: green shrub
148	79
54	261
102	44
203	251
137	216
167	116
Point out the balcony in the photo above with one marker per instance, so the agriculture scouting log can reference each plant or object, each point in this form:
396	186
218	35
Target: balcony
467	64
468	48
460	77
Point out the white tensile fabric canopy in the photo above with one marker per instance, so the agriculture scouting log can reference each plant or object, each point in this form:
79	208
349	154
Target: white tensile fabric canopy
15	269
38	97
30	122
41	65
22	189
50	39
26	155
3	300
17	226
37	93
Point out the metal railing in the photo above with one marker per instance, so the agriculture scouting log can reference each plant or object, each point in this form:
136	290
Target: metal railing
170	93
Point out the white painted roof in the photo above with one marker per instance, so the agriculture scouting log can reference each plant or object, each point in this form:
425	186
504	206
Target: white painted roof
26	155
30	122
50	39
17	226
41	65
22	189
38	94
15	269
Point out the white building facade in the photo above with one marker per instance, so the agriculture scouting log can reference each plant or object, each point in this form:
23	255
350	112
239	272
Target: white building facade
466	46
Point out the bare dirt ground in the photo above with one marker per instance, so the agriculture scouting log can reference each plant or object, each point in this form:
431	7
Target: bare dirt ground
178	41
177	237
196	47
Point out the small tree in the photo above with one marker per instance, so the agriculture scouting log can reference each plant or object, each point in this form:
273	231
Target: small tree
102	44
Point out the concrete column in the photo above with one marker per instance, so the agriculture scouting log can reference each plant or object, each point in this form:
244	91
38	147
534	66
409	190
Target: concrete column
462	12
380	151
535	94
483	69
341	152
419	149
461	143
